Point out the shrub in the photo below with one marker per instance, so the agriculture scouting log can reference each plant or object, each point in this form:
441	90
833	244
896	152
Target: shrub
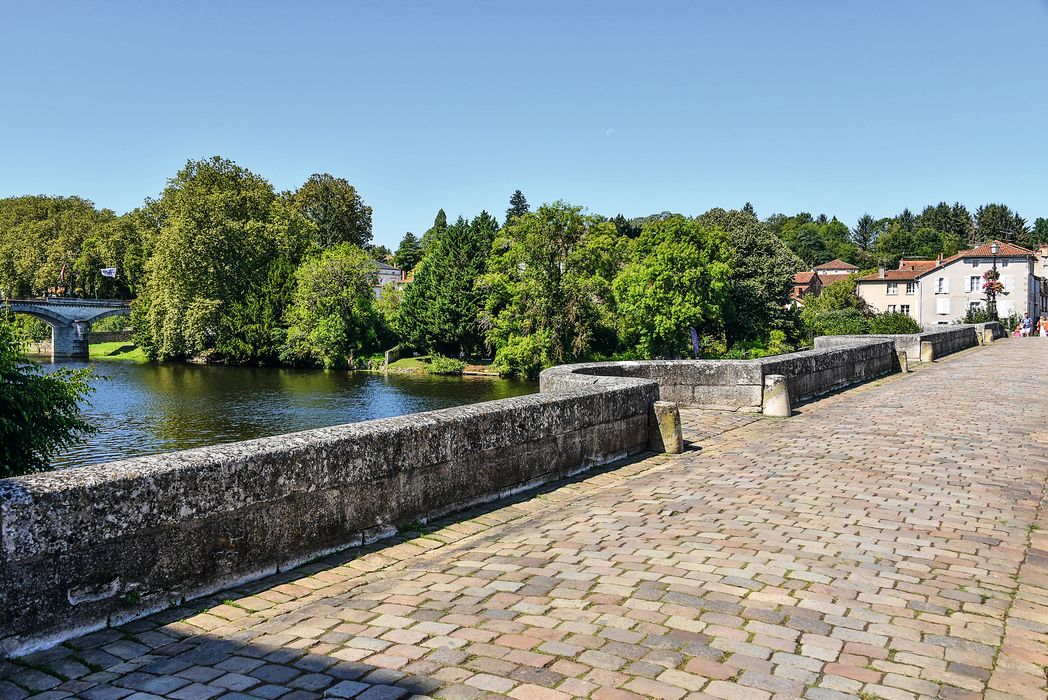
978	315
837	322
894	323
438	364
39	411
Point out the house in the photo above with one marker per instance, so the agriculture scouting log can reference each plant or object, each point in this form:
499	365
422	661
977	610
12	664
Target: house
896	290
805	284
834	270
937	292
388	274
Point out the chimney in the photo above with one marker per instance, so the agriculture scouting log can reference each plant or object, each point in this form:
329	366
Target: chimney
880	272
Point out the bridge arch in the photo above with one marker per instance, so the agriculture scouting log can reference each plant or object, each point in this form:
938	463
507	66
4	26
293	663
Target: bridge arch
70	320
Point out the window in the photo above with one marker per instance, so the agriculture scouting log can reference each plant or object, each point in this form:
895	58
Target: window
905	308
1004	263
942	306
893	287
975	262
891	308
942	285
1009	283
974	282
911	287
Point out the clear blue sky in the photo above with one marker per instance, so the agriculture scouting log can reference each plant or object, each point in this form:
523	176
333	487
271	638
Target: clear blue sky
632	107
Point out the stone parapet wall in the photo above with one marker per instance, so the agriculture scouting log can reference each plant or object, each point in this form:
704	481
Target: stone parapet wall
98	545
945	340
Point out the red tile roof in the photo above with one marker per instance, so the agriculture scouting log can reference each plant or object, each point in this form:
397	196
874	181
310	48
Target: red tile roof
893	276
803	277
920	265
837	264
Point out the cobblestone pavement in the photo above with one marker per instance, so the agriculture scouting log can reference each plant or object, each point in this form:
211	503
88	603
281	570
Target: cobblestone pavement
886	542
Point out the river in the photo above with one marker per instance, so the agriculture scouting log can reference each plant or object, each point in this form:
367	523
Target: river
142	409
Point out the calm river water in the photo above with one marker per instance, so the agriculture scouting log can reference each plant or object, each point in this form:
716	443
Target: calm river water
143	409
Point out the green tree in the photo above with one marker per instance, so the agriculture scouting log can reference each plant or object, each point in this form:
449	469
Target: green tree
433	233
216	233
335	209
953	220
865	232
679	280
518	206
762	268
998	222
39	411
549	289
441	305
409	252
332	315
1039	233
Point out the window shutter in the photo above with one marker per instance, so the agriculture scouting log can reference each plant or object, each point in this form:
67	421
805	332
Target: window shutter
942	306
1009	283
946	285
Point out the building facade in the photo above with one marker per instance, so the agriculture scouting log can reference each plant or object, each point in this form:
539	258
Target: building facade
939	292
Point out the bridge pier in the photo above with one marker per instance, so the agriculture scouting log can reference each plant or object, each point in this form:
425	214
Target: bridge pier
69	341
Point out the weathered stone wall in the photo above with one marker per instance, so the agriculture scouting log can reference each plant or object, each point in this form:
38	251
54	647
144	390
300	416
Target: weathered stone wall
739	384
109	337
945	340
98	545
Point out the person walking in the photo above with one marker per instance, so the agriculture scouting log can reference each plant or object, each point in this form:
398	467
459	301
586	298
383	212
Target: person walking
1026	325
1044	326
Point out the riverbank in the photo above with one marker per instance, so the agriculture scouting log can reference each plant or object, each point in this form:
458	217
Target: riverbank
128	352
421	365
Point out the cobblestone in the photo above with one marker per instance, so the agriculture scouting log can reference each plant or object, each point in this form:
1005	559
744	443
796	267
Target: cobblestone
889	541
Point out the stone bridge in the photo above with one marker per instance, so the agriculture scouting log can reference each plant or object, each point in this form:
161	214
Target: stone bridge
887	541
70	320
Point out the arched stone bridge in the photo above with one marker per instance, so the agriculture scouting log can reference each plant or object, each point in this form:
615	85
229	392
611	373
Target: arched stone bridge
70	319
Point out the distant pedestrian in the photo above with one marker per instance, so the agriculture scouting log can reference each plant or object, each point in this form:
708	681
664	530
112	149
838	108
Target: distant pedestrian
1044	326
1027	325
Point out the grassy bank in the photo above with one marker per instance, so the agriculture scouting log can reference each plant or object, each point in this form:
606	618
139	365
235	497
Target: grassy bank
117	351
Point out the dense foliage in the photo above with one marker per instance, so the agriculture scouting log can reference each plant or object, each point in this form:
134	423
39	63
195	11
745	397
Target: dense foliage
224	268
39	411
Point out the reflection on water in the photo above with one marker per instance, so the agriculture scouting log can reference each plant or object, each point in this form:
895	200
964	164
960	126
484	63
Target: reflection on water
143	409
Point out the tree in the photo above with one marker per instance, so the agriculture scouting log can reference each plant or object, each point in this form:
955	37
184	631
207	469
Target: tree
762	268
440	222
39	411
549	297
625	227
953	220
335	209
679	280
838	310
333	313
216	233
906	220
1039	233
998	222
518	206
440	308
409	252
865	232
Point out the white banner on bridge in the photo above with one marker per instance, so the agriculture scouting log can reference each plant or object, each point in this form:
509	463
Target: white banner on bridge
109	272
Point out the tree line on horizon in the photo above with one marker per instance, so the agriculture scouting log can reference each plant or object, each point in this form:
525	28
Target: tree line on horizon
222	266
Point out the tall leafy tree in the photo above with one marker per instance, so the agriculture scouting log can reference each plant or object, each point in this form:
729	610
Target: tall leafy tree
333	313
216	234
518	206
440	308
625	227
679	279
409	252
549	288
335	209
1039	233
39	411
762	268
954	220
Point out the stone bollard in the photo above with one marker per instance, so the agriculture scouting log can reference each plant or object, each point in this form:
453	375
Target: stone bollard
664	430
987	336
927	351
904	366
776	396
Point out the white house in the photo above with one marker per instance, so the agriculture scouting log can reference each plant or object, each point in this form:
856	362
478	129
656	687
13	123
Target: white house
941	292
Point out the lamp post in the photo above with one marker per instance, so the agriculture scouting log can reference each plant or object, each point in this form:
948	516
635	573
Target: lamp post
991	288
